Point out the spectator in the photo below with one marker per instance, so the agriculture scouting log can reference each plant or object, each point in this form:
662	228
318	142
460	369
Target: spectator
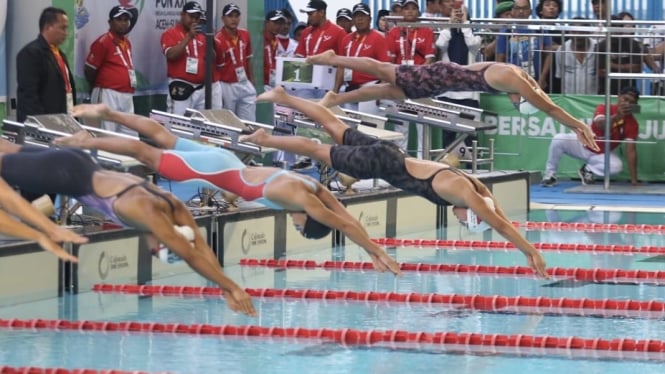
504	9
274	23
599	9
550	9
45	83
433	8
109	67
624	126
297	32
184	46
411	46
286	47
625	57
343	19
364	42
460	46
648	59
576	64
382	24
234	60
522	46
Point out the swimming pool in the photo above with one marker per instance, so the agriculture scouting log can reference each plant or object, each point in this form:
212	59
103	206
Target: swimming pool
196	353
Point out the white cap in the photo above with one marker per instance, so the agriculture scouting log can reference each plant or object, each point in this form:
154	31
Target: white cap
473	222
185	231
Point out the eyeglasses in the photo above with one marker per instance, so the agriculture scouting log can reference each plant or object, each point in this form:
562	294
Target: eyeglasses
522	8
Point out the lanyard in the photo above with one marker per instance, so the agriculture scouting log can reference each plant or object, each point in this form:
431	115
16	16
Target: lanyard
241	44
122	55
413	45
316	46
269	49
196	49
348	46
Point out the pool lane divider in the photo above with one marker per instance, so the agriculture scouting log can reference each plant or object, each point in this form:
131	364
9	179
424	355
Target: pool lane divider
38	370
591	227
626	348
487	303
497	245
578	274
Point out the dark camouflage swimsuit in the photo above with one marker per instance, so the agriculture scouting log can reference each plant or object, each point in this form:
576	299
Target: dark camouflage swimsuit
364	157
419	81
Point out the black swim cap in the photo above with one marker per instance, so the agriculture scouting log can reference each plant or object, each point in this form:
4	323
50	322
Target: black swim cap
314	229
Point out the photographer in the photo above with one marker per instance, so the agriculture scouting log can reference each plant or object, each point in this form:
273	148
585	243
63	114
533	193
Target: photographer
623	126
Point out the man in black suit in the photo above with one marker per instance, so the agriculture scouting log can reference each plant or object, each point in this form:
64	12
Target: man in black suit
45	82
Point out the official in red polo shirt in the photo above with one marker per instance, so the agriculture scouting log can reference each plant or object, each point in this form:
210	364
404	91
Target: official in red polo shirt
109	67
234	60
275	21
364	42
184	46
321	35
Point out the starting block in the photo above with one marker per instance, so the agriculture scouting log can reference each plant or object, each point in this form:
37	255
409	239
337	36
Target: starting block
371	125
461	120
40	130
219	127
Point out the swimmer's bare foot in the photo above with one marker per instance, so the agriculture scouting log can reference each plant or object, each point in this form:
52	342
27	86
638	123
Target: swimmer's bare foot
322	58
256	137
275	95
90	111
329	100
77	140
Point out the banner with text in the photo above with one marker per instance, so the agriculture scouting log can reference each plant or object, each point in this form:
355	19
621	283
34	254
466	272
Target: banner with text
522	140
154	18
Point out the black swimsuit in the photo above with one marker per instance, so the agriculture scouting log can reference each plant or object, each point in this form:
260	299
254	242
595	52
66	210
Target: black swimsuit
418	81
364	157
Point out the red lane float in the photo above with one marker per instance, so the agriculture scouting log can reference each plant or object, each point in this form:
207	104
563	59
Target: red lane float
580	274
492	303
496	245
451	341
591	227
38	370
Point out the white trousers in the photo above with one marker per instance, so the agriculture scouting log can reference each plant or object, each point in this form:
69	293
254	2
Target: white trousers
195	101
568	144
116	100
240	98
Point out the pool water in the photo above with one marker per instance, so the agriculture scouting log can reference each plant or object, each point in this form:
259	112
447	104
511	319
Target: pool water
183	353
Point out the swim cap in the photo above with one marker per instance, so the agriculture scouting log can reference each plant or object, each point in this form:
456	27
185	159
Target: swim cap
473	222
314	229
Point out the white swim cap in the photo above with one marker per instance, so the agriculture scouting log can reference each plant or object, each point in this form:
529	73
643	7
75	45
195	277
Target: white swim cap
473	222
165	254
185	231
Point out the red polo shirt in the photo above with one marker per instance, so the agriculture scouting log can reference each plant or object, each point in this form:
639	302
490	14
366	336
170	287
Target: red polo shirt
371	45
269	55
196	48
415	44
314	40
111	56
233	51
621	129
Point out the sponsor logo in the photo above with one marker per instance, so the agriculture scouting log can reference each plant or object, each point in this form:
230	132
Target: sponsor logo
369	220
250	239
107	263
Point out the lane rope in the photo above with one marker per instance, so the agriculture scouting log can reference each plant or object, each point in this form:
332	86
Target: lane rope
625	348
579	274
504	246
487	303
591	227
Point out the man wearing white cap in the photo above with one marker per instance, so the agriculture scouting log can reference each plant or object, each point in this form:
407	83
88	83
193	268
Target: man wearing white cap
109	67
275	20
234	60
344	20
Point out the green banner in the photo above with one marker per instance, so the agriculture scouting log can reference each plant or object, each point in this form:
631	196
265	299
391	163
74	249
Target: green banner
522	140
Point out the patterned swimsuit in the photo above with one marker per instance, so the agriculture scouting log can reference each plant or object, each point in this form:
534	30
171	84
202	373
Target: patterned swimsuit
418	81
